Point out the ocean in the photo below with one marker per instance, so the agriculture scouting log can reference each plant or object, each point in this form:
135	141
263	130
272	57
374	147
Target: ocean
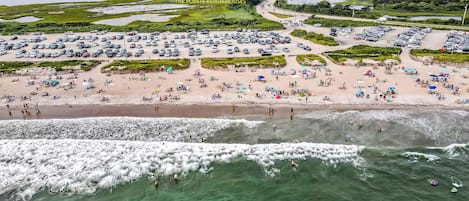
337	156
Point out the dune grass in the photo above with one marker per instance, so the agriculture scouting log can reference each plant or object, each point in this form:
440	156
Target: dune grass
8	67
135	66
265	62
320	39
361	52
59	65
442	56
305	59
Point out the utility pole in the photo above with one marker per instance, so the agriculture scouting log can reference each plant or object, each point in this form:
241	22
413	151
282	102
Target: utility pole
464	16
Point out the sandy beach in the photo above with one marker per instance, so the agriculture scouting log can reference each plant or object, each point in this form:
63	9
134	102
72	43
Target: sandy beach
292	85
332	84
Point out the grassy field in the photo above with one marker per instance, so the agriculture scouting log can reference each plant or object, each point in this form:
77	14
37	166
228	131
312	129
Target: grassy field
320	39
280	15
76	18
265	62
442	56
135	66
8	67
60	65
305	59
361	52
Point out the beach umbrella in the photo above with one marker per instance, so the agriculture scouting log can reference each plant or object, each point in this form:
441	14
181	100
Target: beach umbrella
432	87
169	69
433	75
260	77
180	83
391	88
303	67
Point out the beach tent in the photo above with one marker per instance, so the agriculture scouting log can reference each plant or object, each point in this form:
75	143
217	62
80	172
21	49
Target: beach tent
411	70
432	87
260	77
169	69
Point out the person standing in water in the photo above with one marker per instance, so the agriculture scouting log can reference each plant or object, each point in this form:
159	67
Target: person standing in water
379	129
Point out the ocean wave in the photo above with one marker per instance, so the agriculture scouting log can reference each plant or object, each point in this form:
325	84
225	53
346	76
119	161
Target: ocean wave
439	125
29	166
454	150
417	155
120	128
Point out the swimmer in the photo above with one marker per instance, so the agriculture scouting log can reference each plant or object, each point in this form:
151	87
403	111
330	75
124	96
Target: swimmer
156	183
379	129
274	127
360	125
176	179
294	165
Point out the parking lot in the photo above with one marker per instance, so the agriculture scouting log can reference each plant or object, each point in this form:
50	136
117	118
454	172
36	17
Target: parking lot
133	45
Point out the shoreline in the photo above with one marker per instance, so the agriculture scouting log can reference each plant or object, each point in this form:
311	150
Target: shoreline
187	110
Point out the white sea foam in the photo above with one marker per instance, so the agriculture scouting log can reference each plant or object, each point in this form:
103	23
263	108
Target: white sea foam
453	149
120	128
417	155
438	125
29	166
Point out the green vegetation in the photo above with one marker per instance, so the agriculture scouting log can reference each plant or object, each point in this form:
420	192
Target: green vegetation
315	37
396	8
324	7
265	62
441	56
59	65
280	15
8	67
135	66
421	5
77	18
361	52
305	59
337	23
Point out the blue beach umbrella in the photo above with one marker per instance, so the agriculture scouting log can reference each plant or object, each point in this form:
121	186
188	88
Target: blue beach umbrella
432	87
391	88
260	77
302	67
169	69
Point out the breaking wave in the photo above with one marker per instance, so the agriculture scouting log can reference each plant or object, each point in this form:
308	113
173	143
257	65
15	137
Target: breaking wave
83	166
120	128
442	126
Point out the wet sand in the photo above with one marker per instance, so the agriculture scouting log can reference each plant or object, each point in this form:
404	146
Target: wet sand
281	111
